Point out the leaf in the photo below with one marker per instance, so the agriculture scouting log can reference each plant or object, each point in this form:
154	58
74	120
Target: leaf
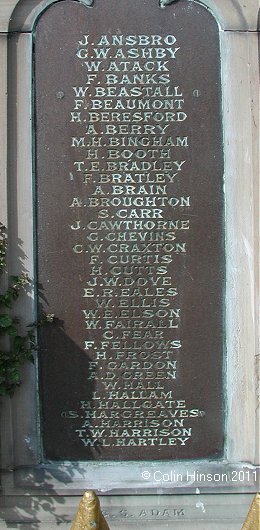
14	377
5	321
12	331
18	342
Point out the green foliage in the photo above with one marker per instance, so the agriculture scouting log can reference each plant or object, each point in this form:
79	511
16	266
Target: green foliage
20	345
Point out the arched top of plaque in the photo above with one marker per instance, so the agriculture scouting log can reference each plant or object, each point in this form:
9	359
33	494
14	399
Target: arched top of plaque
21	15
164	3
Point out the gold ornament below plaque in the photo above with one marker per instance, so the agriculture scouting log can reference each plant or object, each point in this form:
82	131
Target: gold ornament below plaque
252	521
89	515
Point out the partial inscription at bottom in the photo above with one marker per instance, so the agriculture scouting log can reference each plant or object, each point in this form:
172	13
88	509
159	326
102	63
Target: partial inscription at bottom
147	514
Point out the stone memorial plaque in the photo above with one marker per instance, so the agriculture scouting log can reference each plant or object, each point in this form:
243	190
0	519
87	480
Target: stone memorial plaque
130	230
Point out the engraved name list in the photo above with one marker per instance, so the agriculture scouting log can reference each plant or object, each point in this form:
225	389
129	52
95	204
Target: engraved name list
129	167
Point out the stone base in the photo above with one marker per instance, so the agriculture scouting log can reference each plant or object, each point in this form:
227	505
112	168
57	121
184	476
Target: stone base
153	512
